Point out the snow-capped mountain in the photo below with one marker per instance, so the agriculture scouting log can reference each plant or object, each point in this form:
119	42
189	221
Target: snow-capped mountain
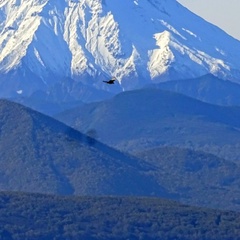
44	42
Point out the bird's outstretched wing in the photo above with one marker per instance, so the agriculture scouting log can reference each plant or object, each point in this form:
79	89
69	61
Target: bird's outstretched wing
111	81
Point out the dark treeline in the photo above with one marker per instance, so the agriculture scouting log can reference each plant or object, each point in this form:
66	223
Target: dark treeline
37	216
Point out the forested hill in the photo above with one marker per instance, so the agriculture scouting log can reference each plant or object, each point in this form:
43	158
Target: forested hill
41	217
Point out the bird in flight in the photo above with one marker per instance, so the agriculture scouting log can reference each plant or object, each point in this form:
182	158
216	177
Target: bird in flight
111	81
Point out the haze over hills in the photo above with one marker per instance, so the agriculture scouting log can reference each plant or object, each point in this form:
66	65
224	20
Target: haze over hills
146	118
48	42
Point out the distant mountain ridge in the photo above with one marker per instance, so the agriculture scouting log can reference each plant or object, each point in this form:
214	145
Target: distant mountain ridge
207	88
147	118
47	42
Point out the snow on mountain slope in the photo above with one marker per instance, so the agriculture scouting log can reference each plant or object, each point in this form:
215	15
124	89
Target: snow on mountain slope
138	41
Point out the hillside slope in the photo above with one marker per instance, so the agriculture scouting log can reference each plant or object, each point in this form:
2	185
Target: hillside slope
40	154
197	178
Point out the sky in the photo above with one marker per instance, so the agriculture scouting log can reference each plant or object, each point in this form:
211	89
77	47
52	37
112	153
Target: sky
223	13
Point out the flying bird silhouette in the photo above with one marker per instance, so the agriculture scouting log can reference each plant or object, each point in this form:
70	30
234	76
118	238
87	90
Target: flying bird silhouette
111	81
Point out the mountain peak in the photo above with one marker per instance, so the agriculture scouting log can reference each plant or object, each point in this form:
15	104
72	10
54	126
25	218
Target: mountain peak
45	41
